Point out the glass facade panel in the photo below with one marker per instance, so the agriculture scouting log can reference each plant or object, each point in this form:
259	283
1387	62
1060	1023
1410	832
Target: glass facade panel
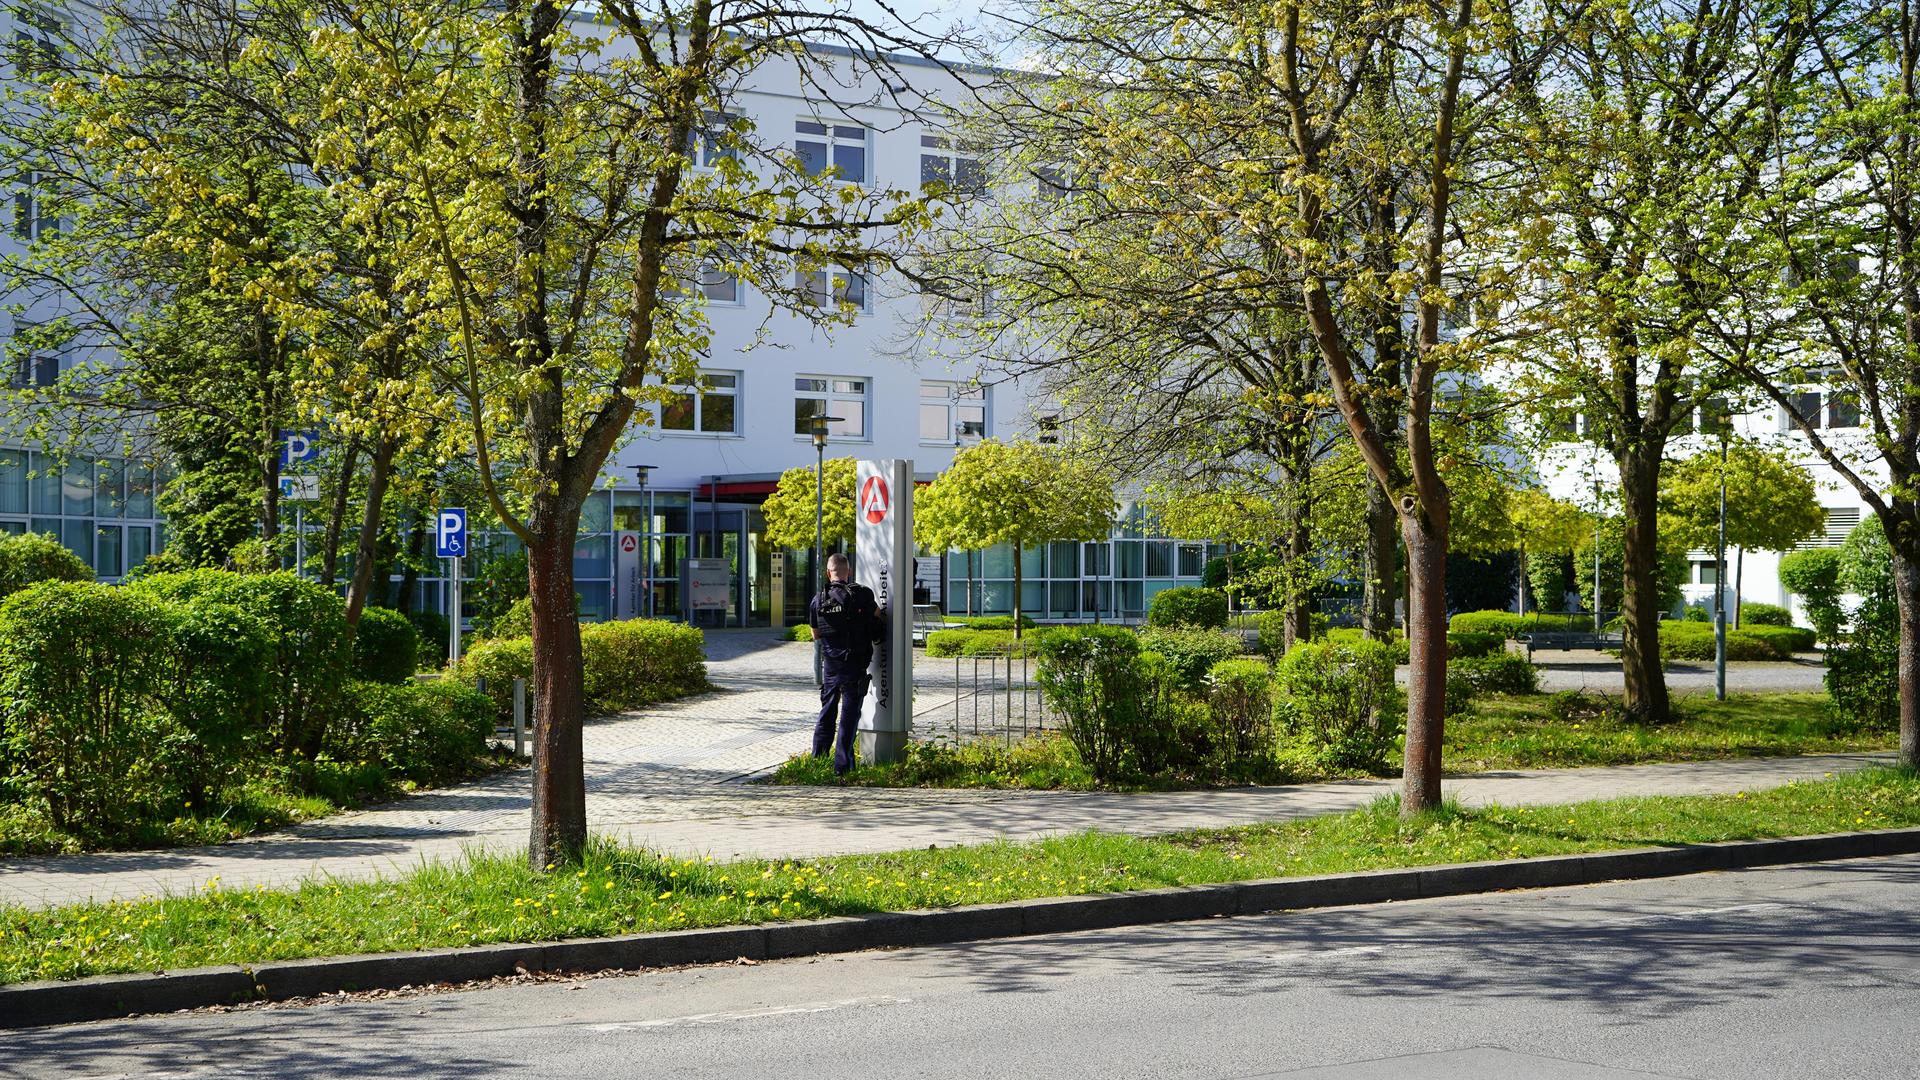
592	558
140	487
13	482
1192	560
76	489
1063	601
139	545
996	561
1064	558
106	552
110	488
1159	558
45	484
77	537
1131	558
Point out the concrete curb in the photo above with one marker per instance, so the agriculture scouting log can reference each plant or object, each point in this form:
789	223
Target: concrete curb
103	997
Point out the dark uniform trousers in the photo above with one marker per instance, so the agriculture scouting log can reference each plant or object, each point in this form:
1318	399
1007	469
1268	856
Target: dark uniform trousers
846	621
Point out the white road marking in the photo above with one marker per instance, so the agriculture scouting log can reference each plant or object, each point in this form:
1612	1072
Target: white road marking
1331	954
751	1014
1689	913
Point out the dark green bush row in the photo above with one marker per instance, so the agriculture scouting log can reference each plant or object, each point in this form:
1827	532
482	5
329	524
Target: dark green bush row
1500	673
1694	641
1509	624
1191	651
626	665
951	643
424	733
1188	605
987	622
1757	614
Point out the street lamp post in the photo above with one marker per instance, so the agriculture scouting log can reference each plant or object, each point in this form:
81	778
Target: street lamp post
1720	584
817	427
646	542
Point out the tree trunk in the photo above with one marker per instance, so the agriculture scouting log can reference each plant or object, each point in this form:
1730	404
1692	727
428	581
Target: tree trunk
559	831
1906	587
1426	649
1646	683
366	552
337	515
1376	604
1299	610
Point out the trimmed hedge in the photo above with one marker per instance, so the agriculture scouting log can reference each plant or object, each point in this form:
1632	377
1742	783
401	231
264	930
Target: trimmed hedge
1753	613
422	732
987	622
1351	635
1787	640
952	643
386	647
1694	641
27	558
1191	651
1510	624
626	665
1188	605
1466	644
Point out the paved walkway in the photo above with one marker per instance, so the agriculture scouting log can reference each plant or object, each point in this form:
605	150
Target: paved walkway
670	778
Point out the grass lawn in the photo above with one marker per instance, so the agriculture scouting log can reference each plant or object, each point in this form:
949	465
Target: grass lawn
1534	731
618	890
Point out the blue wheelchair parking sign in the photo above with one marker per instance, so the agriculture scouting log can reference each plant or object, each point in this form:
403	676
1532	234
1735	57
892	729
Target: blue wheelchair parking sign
450	535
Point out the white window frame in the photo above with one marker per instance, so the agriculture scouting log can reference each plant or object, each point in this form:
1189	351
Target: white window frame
952	396
30	221
956	160
831	135
712	270
836	392
711	384
1822	419
835	282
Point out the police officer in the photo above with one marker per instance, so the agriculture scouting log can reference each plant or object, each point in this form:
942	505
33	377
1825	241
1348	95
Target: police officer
846	622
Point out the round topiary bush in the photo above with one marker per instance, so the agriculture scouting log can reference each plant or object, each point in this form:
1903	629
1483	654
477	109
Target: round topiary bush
1188	605
386	647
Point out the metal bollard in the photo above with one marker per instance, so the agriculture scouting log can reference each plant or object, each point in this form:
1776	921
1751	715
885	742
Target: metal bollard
519	718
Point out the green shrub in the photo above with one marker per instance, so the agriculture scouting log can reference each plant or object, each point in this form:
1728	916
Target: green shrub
79	667
434	631
1240	706
1339	704
1753	613
637	662
421	732
1813	575
988	622
1191	651
215	688
1510	624
499	661
310	656
1694	641
950	643
1786	640
1347	635
1695	614
1863	670
1188	605
515	622
386	647
1464	644
501	584
1093	678
797	632
1501	673
26	558
1272	631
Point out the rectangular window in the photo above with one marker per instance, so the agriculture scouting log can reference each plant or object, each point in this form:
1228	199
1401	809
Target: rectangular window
33	217
1192	560
77	488
714	142
1843	411
846	289
952	412
831	395
77	537
841	148
718	284
1159	558
950	169
139	545
707	408
1047	428
106	551
1806	406
139	491
110	488
1050	184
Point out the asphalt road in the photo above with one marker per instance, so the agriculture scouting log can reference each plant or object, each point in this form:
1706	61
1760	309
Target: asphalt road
1801	972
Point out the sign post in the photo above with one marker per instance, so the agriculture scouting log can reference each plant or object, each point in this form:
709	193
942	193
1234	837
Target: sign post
779	589
628	602
883	547
450	542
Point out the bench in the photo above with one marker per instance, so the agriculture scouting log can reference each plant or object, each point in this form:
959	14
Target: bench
1568	640
926	619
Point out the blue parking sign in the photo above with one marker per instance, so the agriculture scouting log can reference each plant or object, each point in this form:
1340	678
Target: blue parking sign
450	533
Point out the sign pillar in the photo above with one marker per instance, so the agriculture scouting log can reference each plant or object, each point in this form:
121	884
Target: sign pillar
450	542
883	562
628	591
779	589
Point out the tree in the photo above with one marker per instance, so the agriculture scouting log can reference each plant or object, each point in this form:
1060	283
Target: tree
1813	575
1637	140
1772	503
1841	232
1013	493
789	510
543	163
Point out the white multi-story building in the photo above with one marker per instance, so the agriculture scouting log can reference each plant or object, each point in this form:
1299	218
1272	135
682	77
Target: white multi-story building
717	448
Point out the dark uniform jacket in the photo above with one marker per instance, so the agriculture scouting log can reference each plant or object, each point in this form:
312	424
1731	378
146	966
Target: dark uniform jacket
846	619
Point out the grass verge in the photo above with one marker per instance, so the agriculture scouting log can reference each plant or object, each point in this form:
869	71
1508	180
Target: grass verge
617	890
